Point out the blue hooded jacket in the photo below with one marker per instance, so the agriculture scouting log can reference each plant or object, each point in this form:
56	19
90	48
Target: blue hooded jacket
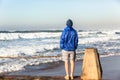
69	38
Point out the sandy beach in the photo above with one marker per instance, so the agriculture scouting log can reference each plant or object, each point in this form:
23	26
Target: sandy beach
55	71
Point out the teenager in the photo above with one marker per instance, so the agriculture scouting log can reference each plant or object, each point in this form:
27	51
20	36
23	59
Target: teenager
68	44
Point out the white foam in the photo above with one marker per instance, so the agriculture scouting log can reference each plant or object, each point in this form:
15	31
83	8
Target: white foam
92	36
15	51
8	65
12	36
110	54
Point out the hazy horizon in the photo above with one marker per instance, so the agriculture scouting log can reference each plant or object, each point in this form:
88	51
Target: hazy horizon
52	14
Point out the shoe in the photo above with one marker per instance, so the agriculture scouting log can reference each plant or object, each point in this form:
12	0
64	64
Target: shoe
71	77
66	77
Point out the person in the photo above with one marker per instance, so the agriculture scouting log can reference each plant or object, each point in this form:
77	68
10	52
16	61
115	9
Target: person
68	44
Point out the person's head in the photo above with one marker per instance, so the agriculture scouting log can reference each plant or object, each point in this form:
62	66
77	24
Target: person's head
69	23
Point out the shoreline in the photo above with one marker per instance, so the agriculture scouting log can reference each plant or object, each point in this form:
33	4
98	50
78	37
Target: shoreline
14	77
110	67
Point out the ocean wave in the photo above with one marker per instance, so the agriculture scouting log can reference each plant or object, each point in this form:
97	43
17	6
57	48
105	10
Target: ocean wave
31	31
20	63
13	36
15	51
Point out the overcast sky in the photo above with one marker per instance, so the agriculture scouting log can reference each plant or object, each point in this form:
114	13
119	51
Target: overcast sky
52	14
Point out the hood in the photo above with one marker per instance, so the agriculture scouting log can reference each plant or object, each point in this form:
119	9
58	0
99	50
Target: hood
69	23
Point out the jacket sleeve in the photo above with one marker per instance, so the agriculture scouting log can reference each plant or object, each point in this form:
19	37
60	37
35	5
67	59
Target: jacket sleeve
76	41
62	40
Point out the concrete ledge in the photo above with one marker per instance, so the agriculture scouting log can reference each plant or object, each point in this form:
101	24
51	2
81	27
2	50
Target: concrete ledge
91	68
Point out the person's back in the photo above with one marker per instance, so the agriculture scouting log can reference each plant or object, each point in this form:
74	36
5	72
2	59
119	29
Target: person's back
69	39
68	44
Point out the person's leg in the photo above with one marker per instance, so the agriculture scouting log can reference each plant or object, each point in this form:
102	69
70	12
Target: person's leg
66	68
66	63
72	63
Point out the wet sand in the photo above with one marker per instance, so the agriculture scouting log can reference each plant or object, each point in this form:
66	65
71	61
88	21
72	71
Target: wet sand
55	71
14	77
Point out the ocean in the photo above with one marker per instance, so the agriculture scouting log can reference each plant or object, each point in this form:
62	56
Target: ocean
46	43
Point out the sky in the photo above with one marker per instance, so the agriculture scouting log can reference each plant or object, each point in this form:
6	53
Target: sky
53	14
